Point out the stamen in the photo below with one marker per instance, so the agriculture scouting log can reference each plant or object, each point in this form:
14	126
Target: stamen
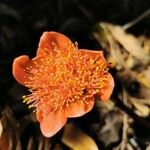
57	82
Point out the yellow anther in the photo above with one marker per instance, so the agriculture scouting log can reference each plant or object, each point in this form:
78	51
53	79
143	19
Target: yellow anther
28	102
70	70
34	111
97	91
25	99
91	61
30	106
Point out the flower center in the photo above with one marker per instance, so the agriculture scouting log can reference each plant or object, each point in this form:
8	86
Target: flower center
59	79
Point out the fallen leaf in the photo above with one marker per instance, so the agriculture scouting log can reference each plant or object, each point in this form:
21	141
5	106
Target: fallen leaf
144	77
109	132
143	110
131	62
125	50
74	138
130	43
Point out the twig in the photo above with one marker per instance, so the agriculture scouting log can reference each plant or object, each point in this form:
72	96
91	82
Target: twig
137	20
124	134
125	125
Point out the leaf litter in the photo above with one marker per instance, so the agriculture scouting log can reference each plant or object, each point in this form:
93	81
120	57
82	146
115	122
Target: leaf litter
130	60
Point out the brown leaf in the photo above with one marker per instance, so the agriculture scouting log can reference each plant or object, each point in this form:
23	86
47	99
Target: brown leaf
144	77
109	132
143	110
124	50
74	138
130	43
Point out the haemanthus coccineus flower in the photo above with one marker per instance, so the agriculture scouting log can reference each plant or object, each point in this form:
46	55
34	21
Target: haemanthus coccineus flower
62	80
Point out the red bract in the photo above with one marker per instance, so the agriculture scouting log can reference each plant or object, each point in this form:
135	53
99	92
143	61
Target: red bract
62	80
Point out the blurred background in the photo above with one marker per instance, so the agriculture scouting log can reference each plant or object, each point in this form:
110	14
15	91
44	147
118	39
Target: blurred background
21	25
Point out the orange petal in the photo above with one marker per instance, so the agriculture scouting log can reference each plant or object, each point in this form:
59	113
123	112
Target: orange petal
106	93
92	54
80	108
19	66
52	123
47	40
39	115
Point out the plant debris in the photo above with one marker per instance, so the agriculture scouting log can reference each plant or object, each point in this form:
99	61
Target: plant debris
130	59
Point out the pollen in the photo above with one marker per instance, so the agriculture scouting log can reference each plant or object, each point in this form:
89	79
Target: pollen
61	78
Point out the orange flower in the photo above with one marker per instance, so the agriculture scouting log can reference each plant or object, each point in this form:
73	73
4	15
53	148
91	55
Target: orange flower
62	80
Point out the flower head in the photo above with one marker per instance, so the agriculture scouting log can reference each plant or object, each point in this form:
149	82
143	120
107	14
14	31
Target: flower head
62	80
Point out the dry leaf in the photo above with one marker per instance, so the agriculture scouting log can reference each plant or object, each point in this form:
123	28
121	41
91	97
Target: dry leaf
146	44
109	132
104	108
148	147
130	58
144	77
112	46
125	50
74	138
130	62
144	101
130	43
142	109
